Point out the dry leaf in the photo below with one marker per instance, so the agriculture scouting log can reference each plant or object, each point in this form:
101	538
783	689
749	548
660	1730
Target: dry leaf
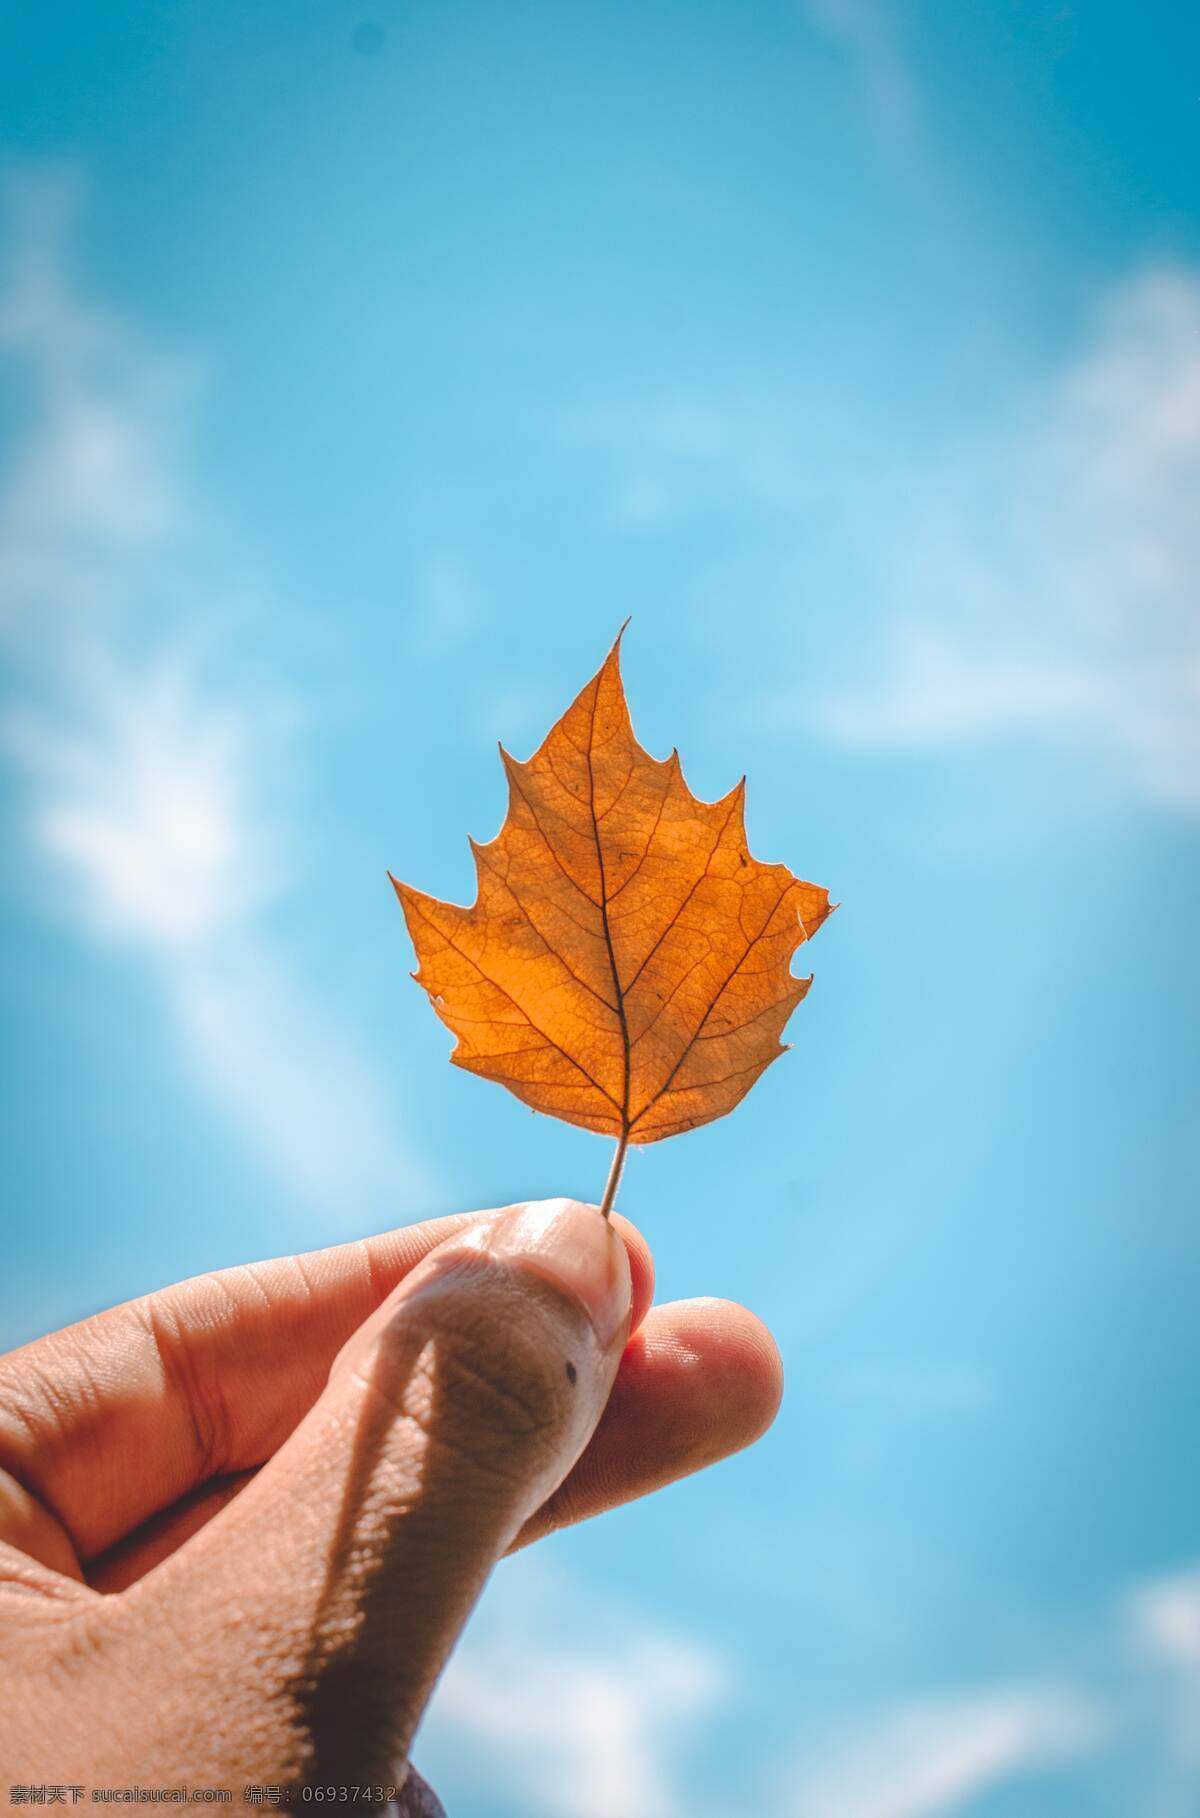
626	964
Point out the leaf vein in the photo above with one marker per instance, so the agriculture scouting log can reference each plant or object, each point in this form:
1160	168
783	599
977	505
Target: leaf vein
536	1027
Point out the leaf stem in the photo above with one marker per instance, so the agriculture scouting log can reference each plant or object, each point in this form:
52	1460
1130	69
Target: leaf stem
614	1175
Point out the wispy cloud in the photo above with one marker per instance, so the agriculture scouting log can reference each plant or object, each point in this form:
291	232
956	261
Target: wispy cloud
1035	580
679	457
140	792
292	1078
579	1710
92	491
153	786
1165	1621
561	1703
865	31
916	1391
1167	1614
926	1759
1122	1713
1054	587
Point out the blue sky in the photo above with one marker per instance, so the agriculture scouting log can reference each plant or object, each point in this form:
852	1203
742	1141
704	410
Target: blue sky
361	367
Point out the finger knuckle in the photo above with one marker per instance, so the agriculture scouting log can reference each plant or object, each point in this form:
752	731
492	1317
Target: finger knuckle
492	1387
505	1386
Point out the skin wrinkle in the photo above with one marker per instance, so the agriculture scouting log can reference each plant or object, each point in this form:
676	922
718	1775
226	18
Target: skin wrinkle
366	1289
448	1322
170	1344
299	1626
514	1397
25	1518
23	1575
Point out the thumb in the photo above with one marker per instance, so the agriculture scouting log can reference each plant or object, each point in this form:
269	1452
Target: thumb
353	1559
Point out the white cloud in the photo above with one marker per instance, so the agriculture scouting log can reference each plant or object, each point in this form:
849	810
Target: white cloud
563	1703
1121	1721
1167	1615
579	1735
1054	585
940	693
140	795
1037	581
578	1711
92	488
151	784
1164	1618
923	1760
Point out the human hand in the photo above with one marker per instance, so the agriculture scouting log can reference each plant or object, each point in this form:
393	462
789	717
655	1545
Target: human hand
243	1520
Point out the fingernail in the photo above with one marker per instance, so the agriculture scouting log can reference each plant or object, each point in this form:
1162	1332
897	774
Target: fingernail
574	1248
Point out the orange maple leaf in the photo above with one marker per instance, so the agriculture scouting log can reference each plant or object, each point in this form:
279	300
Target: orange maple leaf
626	964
